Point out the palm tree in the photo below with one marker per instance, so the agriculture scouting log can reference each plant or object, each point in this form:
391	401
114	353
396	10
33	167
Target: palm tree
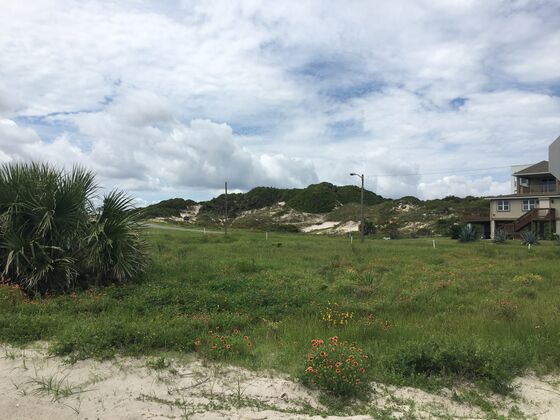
50	230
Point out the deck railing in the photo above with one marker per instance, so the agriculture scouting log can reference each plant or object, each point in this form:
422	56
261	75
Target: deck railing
538	189
538	214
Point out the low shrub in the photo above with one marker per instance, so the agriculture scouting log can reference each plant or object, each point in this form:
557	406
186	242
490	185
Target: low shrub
455	230
280	227
448	362
500	236
52	238
337	368
218	346
529	237
369	228
507	310
333	315
468	234
528	278
159	363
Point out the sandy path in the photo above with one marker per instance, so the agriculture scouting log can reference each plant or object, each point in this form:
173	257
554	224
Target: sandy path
35	386
168	227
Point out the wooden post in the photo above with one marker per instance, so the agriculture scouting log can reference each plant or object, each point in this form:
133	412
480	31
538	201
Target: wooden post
226	221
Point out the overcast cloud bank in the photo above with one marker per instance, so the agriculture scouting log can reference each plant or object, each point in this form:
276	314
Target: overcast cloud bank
173	98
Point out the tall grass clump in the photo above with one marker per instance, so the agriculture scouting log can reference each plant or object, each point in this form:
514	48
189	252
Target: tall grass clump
468	234
500	236
529	237
52	238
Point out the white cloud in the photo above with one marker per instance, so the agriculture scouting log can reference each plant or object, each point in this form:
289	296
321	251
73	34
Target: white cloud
166	98
136	144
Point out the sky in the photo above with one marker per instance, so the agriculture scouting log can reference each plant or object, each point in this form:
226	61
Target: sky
172	98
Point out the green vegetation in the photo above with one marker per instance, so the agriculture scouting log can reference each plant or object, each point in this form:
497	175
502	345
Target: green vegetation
167	208
324	197
426	317
500	236
52	238
316	198
257	198
468	234
337	367
259	209
529	237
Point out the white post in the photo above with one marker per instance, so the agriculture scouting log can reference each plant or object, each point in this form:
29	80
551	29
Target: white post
492	228
434	243
529	247
351	239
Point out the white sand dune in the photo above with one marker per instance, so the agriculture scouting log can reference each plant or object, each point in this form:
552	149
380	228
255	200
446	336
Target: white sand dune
36	386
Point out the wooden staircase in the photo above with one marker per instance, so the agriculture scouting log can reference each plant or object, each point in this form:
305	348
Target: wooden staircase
539	214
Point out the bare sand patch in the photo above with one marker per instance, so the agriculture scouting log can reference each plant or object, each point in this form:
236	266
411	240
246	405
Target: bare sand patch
34	385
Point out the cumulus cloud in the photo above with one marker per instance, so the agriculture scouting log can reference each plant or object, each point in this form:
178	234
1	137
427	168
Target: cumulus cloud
137	144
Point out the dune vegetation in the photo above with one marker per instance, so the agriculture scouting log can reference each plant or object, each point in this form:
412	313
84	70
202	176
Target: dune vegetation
53	236
476	312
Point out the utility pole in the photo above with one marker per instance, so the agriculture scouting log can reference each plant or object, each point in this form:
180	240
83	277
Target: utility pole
362	226
226	222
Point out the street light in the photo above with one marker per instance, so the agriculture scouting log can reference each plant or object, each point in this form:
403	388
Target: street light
362	227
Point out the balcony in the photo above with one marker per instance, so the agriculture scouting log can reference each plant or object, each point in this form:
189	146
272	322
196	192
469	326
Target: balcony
538	189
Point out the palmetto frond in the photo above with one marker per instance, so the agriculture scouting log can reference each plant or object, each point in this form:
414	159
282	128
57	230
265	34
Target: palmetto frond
51	234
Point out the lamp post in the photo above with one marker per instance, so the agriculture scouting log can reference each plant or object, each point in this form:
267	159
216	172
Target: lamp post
362	227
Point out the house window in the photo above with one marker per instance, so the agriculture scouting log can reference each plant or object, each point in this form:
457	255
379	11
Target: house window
530	204
503	205
549	185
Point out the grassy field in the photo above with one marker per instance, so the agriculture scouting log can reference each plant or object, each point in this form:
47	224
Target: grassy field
427	317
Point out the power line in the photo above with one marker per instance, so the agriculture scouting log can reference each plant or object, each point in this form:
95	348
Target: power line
448	172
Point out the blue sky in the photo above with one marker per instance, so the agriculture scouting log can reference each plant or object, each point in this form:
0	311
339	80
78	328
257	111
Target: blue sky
173	98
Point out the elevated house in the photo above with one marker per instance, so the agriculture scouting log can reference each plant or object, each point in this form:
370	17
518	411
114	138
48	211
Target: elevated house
534	202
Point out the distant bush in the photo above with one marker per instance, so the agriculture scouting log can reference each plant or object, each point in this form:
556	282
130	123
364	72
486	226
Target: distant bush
51	236
455	231
468	234
500	236
167	208
318	198
369	228
324	197
529	237
279	227
256	198
337	367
